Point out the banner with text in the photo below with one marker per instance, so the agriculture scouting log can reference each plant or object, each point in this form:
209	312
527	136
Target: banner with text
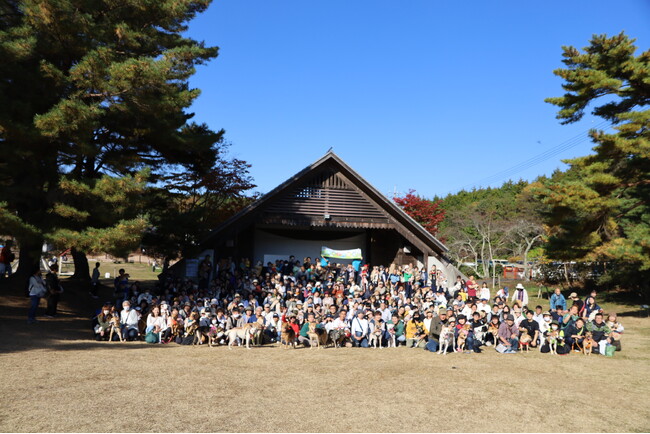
326	252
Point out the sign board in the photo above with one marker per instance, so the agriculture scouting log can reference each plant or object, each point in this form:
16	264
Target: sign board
326	252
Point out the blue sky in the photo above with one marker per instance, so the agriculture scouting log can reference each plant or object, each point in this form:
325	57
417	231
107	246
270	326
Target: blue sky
430	95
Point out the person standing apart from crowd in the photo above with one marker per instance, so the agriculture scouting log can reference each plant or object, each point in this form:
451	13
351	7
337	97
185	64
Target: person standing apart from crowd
37	290
6	258
54	290
94	282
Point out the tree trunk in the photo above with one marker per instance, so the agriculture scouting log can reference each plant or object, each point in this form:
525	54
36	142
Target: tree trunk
81	267
30	256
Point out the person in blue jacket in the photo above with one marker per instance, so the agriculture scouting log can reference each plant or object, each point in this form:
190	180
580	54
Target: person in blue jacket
558	300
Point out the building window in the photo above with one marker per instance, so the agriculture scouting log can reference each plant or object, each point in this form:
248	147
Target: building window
309	192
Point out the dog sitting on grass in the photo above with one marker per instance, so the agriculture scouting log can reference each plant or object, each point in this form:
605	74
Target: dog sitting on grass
288	336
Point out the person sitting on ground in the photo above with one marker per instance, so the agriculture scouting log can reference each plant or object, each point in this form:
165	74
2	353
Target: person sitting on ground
155	322
575	334
415	333
490	339
530	326
303	337
359	330
508	336
396	327
617	330
434	331
102	329
591	309
561	347
129	320
600	332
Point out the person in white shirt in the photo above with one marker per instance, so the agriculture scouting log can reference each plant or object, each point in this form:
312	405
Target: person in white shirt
386	314
340	323
484	292
428	320
129	320
482	306
360	330
155	321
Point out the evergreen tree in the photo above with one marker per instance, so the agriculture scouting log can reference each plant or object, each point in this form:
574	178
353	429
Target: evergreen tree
89	89
600	207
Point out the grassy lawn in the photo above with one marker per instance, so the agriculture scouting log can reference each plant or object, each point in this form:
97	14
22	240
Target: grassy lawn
54	378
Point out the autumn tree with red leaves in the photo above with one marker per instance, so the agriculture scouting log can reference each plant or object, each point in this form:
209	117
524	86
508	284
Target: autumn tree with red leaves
424	211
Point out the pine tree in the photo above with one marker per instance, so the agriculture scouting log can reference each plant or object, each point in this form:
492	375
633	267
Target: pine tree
600	207
90	90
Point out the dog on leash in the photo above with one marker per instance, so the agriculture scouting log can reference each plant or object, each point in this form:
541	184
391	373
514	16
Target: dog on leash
463	333
245	334
524	340
313	336
446	339
376	335
215	333
494	331
288	336
338	336
115	327
392	341
552	339
588	343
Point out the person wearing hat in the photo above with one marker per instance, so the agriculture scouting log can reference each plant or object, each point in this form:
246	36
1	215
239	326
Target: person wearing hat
561	347
360	329
508	336
520	295
434	332
235	320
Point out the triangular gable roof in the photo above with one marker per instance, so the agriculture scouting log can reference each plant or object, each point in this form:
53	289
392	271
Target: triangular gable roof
331	158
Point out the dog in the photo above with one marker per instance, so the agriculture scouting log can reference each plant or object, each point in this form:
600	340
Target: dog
376	335
446	339
524	340
193	331
392	341
288	336
463	333
313	336
494	331
215	334
245	334
588	344
338	337
552	338
115	327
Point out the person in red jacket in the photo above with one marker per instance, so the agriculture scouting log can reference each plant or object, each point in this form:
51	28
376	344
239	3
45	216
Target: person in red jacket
6	258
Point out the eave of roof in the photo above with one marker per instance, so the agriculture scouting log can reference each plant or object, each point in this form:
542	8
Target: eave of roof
331	156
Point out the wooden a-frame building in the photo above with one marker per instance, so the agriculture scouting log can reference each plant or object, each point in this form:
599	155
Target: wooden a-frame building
327	204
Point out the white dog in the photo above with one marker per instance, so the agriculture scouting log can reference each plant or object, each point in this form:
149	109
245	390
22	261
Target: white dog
390	328
446	339
245	333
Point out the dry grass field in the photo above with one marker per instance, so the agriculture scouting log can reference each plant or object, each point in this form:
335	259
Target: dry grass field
54	378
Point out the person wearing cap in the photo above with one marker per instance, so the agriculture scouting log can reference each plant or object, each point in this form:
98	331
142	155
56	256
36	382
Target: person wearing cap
235	320
520	295
561	347
557	300
483	306
508	336
434	332
575	301
360	329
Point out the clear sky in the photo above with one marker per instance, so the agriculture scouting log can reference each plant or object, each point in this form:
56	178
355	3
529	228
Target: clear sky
430	95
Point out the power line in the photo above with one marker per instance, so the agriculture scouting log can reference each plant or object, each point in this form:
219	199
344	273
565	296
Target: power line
546	155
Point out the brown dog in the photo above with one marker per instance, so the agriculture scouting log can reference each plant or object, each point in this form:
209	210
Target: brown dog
288	336
588	344
115	328
313	335
524	340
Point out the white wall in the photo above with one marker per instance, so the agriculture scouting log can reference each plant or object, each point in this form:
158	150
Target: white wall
282	247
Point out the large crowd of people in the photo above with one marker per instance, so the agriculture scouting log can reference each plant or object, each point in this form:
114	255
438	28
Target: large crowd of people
321	303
